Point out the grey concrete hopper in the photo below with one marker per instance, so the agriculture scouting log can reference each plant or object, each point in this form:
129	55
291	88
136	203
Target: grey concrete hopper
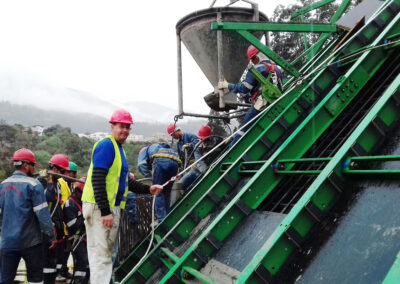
195	32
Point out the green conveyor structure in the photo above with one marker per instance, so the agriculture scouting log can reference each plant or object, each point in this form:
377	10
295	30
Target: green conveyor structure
308	194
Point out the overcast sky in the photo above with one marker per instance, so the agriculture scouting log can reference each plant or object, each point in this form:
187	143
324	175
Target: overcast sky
117	50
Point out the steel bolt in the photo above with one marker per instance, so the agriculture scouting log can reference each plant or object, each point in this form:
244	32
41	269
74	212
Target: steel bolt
343	100
338	94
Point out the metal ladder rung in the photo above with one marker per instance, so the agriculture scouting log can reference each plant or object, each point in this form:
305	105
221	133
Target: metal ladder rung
263	274
214	241
294	237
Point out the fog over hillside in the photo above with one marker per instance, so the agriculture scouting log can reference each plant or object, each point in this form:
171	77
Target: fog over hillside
81	122
26	89
29	100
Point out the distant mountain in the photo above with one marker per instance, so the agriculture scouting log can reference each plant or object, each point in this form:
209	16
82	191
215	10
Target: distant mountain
26	89
28	115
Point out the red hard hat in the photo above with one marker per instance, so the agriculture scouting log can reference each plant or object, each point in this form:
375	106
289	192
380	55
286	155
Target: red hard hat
24	155
204	131
172	128
251	51
122	116
80	185
60	160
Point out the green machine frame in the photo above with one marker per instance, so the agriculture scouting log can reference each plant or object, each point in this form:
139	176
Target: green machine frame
270	150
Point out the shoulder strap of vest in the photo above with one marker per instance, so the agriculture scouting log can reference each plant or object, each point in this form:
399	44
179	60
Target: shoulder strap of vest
271	66
77	204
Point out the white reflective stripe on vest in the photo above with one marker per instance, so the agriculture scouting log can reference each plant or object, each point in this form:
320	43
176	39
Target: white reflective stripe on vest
70	223
49	270
80	273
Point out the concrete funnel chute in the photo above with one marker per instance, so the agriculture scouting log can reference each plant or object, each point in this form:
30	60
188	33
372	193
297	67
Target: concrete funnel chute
195	32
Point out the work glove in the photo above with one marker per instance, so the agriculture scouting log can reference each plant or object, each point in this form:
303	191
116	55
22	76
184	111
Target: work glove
223	85
186	147
43	173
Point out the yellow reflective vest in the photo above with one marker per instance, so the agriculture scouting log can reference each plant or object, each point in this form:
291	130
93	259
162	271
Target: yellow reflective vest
65	191
112	179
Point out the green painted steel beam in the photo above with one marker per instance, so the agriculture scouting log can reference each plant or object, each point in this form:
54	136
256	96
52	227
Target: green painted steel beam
393	276
196	274
339	12
264	181
381	158
268	52
278	249
372	172
304	160
309	8
275	27
305	34
299	172
169	254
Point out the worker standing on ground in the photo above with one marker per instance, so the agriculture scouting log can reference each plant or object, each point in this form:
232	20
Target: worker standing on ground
186	142
24	217
161	162
65	246
251	87
207	143
103	196
56	187
73	217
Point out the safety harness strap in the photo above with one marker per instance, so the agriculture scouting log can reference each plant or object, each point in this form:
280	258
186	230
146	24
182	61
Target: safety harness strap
161	155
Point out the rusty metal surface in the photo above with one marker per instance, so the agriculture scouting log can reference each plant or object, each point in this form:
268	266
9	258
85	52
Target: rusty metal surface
129	234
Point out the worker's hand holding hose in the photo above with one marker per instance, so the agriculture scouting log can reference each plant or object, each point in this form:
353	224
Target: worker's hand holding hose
108	220
223	85
156	189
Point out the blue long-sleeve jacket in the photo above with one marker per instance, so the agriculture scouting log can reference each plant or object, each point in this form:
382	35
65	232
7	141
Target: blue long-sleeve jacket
187	138
24	212
251	85
145	158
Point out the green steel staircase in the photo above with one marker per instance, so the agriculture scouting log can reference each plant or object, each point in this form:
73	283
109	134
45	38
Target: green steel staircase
287	146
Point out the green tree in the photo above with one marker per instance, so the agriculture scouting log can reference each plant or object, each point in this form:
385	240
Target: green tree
219	126
289	45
